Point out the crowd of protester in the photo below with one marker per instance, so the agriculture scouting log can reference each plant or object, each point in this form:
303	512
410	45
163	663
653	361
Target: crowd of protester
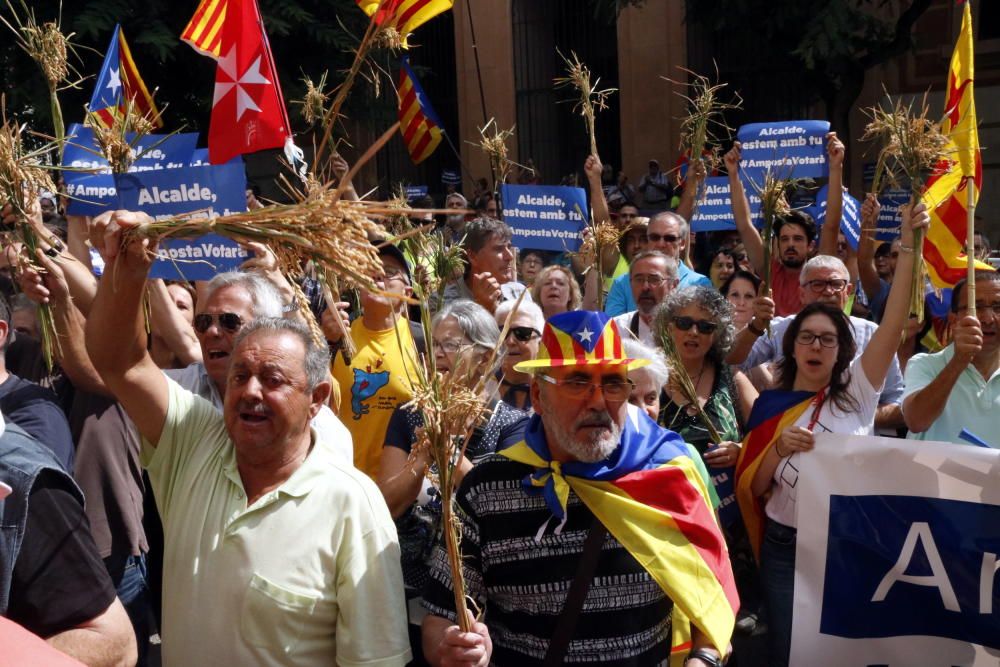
196	470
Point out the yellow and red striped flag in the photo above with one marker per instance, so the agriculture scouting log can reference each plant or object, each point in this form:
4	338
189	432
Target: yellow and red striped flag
404	15
204	30
118	82
418	123
944	245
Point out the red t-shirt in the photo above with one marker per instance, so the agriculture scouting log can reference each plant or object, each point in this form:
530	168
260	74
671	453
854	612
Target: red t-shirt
785	289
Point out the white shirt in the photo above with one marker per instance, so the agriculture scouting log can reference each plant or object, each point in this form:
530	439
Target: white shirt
645	333
781	506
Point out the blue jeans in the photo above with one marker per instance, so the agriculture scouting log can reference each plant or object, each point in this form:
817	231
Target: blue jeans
777	568
134	594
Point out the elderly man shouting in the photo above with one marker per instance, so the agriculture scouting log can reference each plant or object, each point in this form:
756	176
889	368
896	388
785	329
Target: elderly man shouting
592	540
275	553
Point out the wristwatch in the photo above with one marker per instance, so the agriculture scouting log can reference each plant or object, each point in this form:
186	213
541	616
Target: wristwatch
705	656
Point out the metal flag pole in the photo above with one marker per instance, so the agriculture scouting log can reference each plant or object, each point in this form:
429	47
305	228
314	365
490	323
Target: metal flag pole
970	245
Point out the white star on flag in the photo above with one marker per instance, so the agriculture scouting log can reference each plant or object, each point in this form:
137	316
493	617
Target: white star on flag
585	335
252	76
116	81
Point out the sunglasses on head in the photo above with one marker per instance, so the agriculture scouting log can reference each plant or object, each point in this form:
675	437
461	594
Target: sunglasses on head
228	322
685	324
523	334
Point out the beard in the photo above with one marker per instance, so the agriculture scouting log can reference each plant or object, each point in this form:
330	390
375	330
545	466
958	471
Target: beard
596	445
795	262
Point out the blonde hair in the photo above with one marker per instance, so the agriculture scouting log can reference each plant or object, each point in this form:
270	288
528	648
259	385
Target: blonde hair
575	295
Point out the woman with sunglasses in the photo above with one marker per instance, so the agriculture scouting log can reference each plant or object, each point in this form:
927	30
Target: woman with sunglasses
556	290
521	344
464	336
838	393
699	321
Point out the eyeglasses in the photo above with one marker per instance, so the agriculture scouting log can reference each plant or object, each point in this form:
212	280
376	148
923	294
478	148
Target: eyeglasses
666	238
808	337
228	322
704	326
617	389
393	273
452	345
652	279
523	334
819	286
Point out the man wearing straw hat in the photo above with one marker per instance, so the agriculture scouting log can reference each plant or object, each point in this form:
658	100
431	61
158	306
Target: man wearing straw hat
592	540
275	552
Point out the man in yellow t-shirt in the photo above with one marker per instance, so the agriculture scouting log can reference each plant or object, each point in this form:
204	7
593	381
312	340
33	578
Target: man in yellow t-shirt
380	375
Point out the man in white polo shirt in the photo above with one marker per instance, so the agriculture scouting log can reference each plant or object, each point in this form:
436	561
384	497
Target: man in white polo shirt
276	553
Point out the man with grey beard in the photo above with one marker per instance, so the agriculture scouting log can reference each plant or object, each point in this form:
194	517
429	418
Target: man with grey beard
577	541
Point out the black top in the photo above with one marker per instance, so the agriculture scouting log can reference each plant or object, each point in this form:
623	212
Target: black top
519	570
59	578
419	527
36	410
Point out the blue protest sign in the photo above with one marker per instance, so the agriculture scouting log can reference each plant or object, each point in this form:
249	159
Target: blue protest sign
715	209
154	151
90	194
789	148
196	191
901	565
415	192
850	216
545	217
887	225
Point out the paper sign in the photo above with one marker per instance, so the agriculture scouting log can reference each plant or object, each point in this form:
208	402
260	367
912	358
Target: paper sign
545	217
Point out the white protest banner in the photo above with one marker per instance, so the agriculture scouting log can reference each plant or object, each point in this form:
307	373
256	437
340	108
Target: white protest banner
896	556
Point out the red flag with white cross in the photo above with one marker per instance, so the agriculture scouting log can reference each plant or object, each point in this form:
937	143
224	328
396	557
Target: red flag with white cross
248	111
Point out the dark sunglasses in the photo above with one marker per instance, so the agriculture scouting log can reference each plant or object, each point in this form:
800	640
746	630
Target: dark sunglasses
666	238
523	334
228	322
685	323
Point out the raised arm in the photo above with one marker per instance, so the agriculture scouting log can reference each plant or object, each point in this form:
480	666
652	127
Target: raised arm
169	323
116	333
598	203
752	242
834	196
870	282
696	176
877	357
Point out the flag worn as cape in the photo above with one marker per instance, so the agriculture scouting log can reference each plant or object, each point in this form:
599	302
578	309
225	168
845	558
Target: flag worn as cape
404	16
204	31
119	82
248	111
418	123
773	411
649	495
946	194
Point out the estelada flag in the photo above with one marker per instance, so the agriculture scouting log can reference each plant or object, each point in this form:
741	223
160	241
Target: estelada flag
651	498
944	245
418	123
773	412
119	82
204	31
248	112
404	15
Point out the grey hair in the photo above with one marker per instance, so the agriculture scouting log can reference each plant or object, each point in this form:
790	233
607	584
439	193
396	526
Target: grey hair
708	299
264	295
475	321
457	195
317	359
682	224
527	307
479	231
657	368
823	262
658	254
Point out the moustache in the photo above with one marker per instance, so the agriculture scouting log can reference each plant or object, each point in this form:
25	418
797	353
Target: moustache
595	419
258	409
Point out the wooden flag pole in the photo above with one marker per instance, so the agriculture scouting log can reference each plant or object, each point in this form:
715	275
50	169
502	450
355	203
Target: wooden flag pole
970	247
